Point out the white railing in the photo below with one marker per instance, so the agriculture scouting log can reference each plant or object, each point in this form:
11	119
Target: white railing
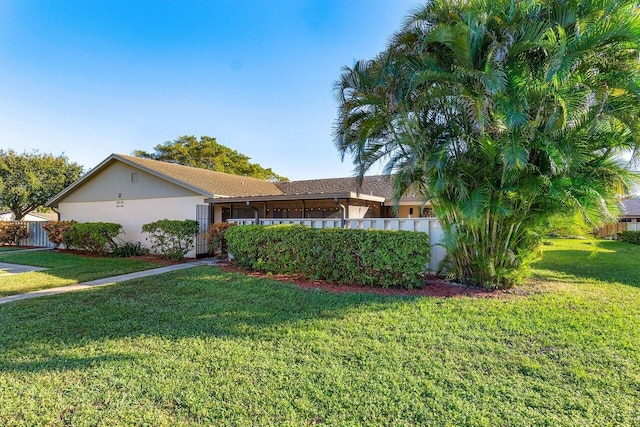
430	226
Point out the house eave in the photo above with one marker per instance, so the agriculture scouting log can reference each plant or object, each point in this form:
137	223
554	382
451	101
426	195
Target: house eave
288	197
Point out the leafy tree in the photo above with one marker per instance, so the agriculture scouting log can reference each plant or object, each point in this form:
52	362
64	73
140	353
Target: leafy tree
206	153
29	180
502	113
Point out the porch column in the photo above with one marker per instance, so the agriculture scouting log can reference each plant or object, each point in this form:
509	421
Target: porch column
342	211
256	213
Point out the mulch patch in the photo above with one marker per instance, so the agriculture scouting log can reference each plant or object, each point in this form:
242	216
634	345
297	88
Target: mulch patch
431	286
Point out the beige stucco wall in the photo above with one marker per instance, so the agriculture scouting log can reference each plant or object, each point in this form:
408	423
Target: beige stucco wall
132	214
403	211
357	211
217	214
115	183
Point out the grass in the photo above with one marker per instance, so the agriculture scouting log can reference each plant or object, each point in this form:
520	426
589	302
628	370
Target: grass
200	346
63	269
9	248
590	261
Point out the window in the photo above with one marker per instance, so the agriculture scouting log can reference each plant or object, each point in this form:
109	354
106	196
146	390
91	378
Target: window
134	177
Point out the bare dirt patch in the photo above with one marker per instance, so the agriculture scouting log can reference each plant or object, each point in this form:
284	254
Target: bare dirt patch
431	286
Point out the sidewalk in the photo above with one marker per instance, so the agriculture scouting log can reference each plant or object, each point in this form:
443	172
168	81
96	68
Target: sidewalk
20	251
103	282
8	269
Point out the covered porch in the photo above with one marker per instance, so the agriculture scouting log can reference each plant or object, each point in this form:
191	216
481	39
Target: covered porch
314	206
303	206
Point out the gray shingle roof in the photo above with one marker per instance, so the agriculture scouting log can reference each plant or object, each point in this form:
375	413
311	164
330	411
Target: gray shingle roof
216	184
210	182
377	185
631	207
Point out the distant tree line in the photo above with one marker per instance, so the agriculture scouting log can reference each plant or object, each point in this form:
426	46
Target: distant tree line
206	153
29	180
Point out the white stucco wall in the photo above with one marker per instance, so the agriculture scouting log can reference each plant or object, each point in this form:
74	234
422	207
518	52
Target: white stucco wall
132	214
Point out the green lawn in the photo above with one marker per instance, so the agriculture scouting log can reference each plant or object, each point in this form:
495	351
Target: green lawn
64	269
9	248
589	261
200	346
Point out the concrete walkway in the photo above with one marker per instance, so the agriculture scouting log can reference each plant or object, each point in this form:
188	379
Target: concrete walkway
103	282
20	251
7	269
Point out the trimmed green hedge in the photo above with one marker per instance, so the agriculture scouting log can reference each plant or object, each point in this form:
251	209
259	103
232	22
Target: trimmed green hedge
364	257
171	238
94	237
629	237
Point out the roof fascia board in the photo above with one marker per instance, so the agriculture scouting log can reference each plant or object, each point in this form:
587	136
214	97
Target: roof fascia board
289	197
410	201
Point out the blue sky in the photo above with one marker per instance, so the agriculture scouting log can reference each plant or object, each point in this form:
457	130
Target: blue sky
90	78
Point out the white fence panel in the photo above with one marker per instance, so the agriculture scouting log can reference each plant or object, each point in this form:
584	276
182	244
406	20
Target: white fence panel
426	225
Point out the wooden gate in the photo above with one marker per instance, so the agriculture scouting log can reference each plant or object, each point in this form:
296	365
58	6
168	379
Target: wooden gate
609	230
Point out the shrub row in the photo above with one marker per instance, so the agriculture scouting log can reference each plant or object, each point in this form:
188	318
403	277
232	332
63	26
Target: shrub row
170	238
629	237
12	232
364	257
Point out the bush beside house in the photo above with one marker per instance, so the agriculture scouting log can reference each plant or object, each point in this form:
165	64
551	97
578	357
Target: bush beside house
364	257
93	237
12	232
56	231
629	237
171	238
216	239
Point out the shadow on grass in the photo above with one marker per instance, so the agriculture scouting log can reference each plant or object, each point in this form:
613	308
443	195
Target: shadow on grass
606	261
198	302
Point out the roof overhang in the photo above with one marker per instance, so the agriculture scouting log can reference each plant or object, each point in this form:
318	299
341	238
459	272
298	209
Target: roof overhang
106	162
289	197
411	201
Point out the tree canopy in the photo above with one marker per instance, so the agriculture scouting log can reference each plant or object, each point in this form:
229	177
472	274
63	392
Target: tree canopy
206	153
29	180
502	113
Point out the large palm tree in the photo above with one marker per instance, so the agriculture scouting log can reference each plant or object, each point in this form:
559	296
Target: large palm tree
501	113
